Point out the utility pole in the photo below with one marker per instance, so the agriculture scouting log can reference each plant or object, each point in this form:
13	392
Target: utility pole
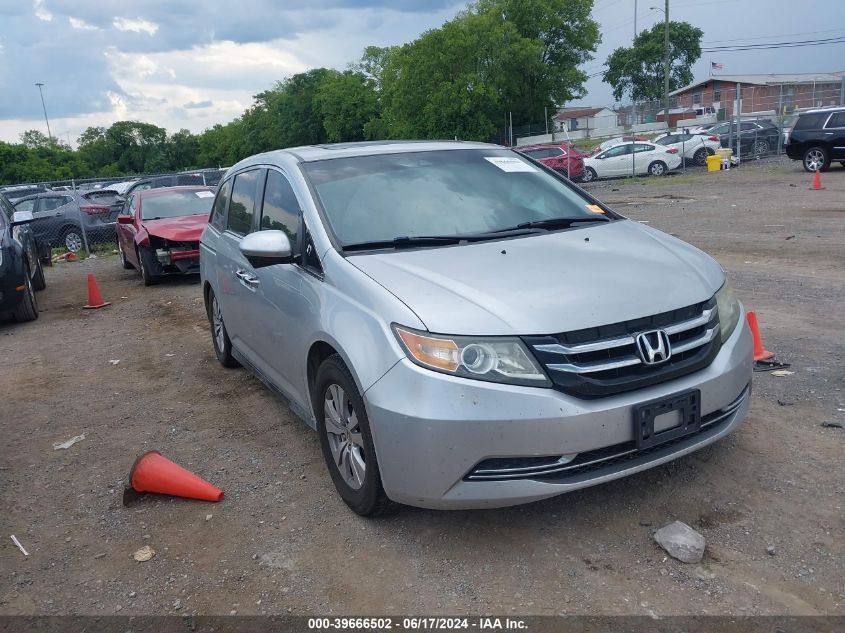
666	64
39	84
635	20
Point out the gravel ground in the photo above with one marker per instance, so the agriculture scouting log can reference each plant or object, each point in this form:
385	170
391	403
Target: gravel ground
768	498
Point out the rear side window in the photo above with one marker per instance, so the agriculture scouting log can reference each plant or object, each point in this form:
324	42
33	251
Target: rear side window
644	148
50	204
218	211
281	210
242	206
837	120
810	121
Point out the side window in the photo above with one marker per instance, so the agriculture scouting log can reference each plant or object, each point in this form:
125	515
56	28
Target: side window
242	206
746	126
25	205
644	148
281	211
619	150
837	120
51	204
221	202
131	205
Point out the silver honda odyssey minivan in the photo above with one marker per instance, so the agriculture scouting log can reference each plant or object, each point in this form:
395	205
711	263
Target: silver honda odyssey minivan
463	327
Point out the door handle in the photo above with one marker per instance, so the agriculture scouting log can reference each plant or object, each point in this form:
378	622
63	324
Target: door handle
247	278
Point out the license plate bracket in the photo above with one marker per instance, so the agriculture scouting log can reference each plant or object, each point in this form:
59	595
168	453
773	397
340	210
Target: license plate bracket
686	404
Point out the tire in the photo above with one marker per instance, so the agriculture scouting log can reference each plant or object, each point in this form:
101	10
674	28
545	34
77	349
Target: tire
344	431
125	262
589	175
700	157
760	147
657	168
146	276
39	282
27	309
72	239
219	336
816	158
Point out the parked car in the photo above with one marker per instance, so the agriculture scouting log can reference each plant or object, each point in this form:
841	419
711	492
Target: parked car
170	180
817	138
60	217
15	192
692	148
464	329
561	157
158	231
613	142
631	159
755	137
21	273
697	129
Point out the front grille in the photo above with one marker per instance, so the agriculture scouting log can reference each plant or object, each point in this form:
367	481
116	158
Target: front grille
598	462
602	361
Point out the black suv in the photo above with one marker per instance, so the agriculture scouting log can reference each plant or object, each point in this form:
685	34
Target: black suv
818	137
21	273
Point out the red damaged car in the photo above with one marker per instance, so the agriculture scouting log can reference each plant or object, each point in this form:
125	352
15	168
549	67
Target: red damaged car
158	230
561	157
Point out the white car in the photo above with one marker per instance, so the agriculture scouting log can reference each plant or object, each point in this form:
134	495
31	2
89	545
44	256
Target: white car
694	148
631	159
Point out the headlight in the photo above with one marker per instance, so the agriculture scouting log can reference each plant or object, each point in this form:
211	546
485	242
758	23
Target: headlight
495	359
728	308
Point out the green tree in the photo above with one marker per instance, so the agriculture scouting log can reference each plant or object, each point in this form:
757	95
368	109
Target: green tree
182	150
346	102
638	70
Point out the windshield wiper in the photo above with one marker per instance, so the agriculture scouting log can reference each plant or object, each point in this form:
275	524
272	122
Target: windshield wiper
550	223
405	241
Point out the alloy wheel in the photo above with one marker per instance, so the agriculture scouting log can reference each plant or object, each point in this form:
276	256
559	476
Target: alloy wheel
73	241
814	160
217	324
344	434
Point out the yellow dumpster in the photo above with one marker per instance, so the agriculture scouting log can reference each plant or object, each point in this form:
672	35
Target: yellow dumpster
714	162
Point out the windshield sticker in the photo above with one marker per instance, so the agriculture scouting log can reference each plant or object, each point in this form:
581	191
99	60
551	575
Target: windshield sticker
507	163
205	194
594	208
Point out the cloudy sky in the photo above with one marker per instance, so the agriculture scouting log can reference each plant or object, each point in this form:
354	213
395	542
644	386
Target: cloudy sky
184	63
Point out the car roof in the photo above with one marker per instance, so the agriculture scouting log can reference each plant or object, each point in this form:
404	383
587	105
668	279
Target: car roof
822	110
149	193
310	153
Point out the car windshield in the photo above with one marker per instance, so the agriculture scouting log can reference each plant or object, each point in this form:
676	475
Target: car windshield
177	203
439	193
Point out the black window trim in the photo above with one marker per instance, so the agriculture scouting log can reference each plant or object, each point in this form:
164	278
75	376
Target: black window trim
258	183
225	219
830	117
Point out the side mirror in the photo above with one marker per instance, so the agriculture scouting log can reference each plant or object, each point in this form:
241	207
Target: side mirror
119	200
124	219
22	217
266	248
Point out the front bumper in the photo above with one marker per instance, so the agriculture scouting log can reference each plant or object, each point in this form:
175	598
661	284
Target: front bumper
430	429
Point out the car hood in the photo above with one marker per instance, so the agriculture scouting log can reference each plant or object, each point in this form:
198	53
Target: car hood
547	283
187	228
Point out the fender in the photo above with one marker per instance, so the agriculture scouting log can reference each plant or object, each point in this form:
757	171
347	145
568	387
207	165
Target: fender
142	238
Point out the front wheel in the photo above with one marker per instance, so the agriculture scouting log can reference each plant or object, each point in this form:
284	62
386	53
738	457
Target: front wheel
27	309
761	148
657	168
219	334
147	277
816	159
589	175
346	441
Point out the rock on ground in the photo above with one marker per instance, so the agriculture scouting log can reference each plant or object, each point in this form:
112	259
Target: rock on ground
681	542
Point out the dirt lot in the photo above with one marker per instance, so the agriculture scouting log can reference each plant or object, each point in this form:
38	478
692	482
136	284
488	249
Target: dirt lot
283	542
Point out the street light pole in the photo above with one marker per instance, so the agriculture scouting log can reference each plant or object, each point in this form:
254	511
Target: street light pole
39	84
666	64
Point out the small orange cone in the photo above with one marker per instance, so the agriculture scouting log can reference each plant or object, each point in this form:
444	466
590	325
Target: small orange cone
817	181
759	351
95	299
154	473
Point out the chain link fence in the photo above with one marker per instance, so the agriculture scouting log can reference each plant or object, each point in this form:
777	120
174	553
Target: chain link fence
753	124
79	216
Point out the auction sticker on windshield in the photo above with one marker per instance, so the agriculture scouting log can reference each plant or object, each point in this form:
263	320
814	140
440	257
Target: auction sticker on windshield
205	194
507	163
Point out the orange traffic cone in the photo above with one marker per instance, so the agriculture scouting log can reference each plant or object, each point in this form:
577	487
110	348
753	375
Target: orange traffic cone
95	299
154	473
759	351
817	181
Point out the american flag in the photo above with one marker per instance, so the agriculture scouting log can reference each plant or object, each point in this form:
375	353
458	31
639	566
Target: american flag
715	66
